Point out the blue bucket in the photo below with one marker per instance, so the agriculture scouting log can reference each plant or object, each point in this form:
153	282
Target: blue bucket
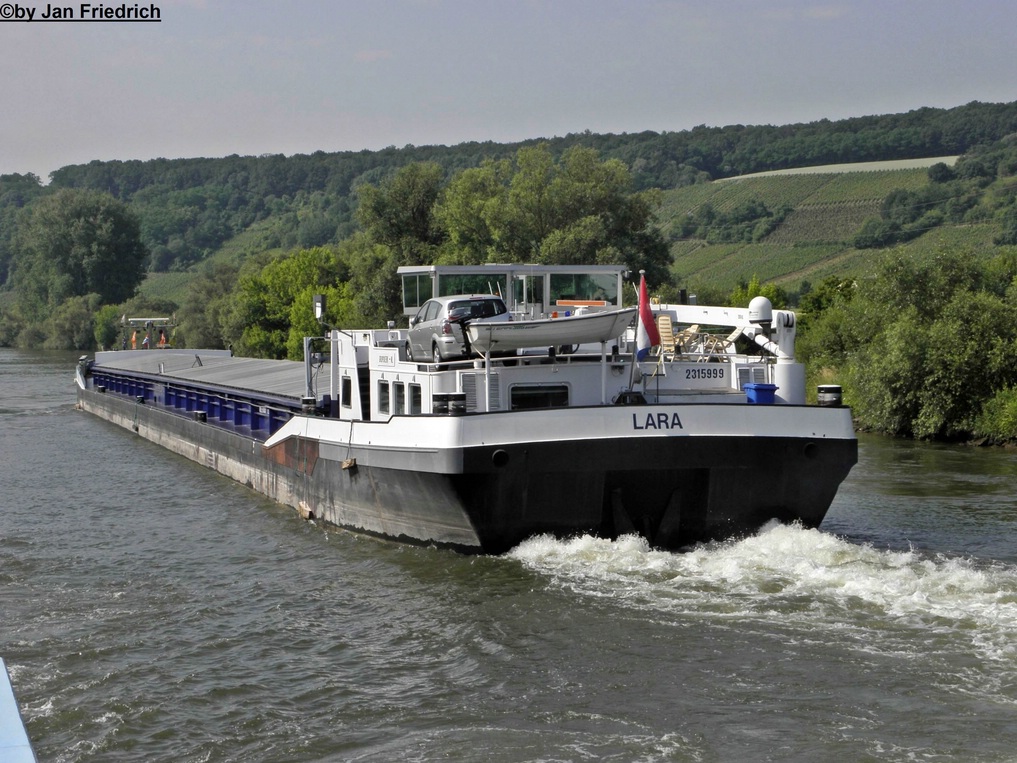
760	394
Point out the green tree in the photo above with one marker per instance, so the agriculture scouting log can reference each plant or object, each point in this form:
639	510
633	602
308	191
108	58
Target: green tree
15	192
530	213
203	312
998	417
973	353
582	242
922	346
470	210
579	210
885	375
71	325
826	327
107	329
401	228
902	282
1008	226
72	244
401	209
375	287
745	293
339	311
260	318
941	173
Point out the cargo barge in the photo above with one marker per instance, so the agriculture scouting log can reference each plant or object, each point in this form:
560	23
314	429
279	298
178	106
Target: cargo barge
706	438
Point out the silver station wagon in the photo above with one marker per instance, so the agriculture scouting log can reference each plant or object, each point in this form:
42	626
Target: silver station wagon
436	331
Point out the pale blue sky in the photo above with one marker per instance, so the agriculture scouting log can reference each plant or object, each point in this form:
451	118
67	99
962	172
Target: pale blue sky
223	77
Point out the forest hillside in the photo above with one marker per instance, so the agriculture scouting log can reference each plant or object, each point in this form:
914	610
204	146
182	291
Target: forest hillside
192	211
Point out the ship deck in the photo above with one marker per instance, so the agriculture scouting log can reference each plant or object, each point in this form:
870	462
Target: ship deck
280	379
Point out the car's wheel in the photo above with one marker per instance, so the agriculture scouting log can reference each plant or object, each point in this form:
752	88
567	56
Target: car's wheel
436	354
408	349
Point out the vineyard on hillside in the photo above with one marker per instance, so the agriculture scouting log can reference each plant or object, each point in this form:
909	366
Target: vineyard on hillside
813	240
768	262
865	186
829	222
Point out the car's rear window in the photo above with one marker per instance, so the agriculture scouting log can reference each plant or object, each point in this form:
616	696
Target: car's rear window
481	308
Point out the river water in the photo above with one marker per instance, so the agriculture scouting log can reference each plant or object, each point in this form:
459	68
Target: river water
151	610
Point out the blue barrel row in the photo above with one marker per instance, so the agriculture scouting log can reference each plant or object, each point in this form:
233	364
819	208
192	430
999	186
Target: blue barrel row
124	385
217	408
212	407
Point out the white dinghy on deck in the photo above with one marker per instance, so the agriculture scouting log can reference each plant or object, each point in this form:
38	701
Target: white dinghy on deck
576	329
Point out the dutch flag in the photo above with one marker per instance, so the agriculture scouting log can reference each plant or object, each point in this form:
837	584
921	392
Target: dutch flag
646	329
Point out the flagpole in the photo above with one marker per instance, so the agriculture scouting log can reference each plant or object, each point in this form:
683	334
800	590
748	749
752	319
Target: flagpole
632	368
647	336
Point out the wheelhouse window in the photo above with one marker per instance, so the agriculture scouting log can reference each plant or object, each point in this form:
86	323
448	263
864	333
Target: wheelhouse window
489	283
579	286
416	399
524	397
528	290
416	290
383	397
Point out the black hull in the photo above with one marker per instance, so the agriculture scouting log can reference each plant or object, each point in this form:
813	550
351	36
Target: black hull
673	491
679	492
